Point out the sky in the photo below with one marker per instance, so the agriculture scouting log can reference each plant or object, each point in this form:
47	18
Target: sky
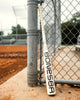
8	18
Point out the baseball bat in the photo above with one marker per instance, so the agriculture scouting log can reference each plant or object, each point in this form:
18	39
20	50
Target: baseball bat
50	83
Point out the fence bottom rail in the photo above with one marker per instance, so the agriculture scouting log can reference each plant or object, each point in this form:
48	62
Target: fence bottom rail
70	82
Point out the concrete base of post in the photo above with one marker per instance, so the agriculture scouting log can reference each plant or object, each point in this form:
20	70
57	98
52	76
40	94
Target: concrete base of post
77	47
32	79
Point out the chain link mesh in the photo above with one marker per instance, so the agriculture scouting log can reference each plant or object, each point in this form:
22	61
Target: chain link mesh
62	28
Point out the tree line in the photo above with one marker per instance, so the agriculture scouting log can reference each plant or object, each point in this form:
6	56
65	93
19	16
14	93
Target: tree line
71	29
20	31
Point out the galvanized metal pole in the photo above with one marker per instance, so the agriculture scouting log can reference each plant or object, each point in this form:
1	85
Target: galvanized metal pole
54	3
32	37
58	23
16	30
1	33
40	51
72	82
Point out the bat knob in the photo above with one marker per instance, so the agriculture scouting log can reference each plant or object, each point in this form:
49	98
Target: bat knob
40	2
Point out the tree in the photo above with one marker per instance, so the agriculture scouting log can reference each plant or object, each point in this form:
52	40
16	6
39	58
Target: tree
1	32
70	29
19	29
76	17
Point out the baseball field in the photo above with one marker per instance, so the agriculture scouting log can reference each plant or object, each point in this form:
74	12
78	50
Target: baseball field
13	78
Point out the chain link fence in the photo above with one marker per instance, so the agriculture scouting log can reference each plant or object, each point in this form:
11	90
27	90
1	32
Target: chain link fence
17	33
13	39
62	28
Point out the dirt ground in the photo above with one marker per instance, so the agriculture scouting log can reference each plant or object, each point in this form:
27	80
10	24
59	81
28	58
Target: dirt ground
12	60
13	79
66	63
16	88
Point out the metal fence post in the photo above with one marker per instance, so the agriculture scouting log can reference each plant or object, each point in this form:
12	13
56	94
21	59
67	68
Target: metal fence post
32	36
16	30
58	23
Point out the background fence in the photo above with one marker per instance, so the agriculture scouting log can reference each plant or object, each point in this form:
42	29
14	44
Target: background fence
15	34
62	28
13	39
